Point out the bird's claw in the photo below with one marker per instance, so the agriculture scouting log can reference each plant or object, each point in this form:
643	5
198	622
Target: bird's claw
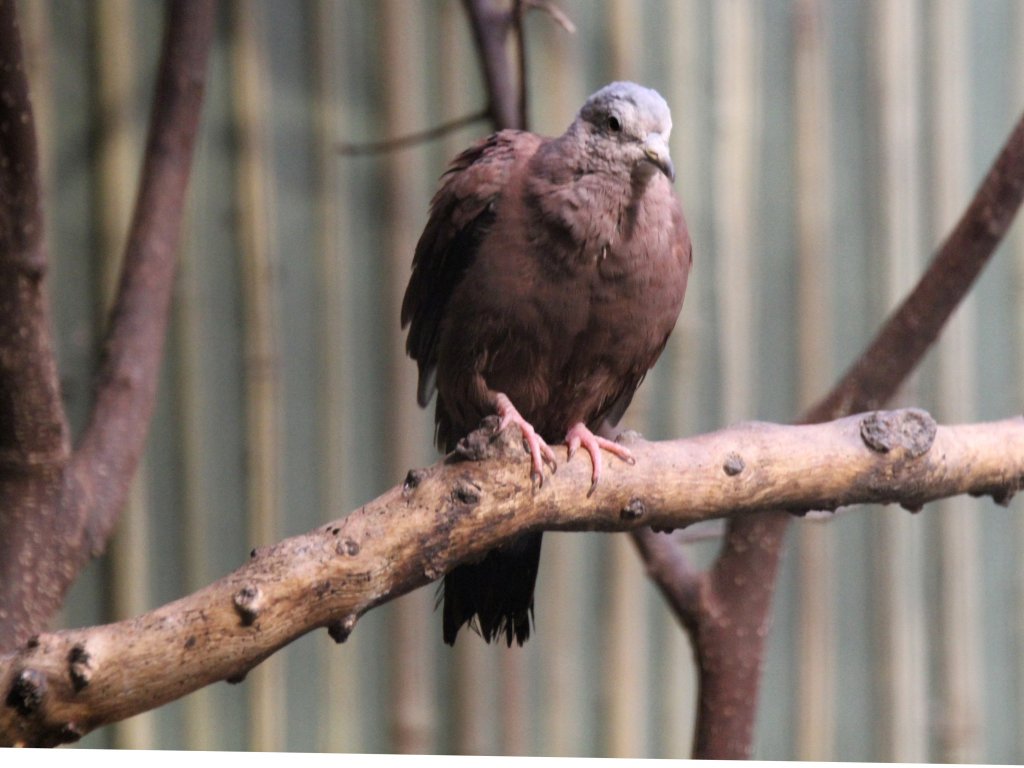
579	435
540	452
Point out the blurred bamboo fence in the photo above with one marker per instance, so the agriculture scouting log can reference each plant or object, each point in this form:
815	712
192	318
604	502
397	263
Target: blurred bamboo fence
823	147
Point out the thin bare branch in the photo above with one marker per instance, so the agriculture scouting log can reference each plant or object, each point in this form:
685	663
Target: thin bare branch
560	17
411	139
110	448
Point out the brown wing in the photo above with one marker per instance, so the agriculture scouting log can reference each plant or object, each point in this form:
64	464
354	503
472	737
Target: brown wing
461	212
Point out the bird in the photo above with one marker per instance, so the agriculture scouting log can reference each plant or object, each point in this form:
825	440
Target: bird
544	286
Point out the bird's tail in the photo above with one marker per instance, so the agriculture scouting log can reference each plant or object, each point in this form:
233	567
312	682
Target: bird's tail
497	591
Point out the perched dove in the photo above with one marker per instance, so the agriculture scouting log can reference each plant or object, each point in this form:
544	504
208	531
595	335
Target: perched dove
544	286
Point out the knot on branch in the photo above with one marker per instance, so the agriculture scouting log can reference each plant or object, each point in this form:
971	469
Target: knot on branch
80	666
347	547
733	464
911	430
340	630
634	510
486	442
248	602
466	492
26	693
413	480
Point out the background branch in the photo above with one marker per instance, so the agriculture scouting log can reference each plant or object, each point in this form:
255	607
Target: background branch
33	430
350	149
490	25
61	685
105	460
54	518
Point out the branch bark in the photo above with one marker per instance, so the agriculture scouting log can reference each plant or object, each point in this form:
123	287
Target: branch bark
33	431
491	25
34	437
61	685
56	510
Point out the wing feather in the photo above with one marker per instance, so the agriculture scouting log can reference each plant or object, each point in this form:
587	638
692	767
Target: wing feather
461	213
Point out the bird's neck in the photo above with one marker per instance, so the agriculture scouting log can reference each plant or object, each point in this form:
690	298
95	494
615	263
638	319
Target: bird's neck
578	199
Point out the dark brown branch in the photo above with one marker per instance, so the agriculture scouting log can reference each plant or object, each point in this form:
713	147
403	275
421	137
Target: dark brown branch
519	8
34	442
412	139
54	513
670	570
733	616
105	460
490	25
33	430
61	685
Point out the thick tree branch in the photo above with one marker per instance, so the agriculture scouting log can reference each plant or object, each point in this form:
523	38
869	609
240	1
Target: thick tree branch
61	685
34	442
33	430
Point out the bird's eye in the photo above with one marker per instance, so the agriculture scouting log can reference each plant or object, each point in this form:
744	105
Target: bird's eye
614	124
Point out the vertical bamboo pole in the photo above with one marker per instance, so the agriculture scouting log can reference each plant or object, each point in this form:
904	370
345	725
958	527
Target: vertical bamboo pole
678	679
961	720
118	163
344	719
200	730
737	122
815	723
254	180
413	718
899	592
626	642
515	735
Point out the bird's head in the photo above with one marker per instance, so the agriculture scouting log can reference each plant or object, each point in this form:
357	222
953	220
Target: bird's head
629	123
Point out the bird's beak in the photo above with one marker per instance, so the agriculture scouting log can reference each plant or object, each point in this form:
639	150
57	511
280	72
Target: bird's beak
656	150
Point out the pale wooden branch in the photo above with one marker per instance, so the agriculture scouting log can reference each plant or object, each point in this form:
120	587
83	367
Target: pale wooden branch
63	684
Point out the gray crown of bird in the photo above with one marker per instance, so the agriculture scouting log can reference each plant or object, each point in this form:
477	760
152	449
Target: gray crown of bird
546	282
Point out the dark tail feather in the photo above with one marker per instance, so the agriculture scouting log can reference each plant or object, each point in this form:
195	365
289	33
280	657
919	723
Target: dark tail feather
497	590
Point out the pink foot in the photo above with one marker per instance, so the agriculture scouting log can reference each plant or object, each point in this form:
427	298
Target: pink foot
579	435
540	451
